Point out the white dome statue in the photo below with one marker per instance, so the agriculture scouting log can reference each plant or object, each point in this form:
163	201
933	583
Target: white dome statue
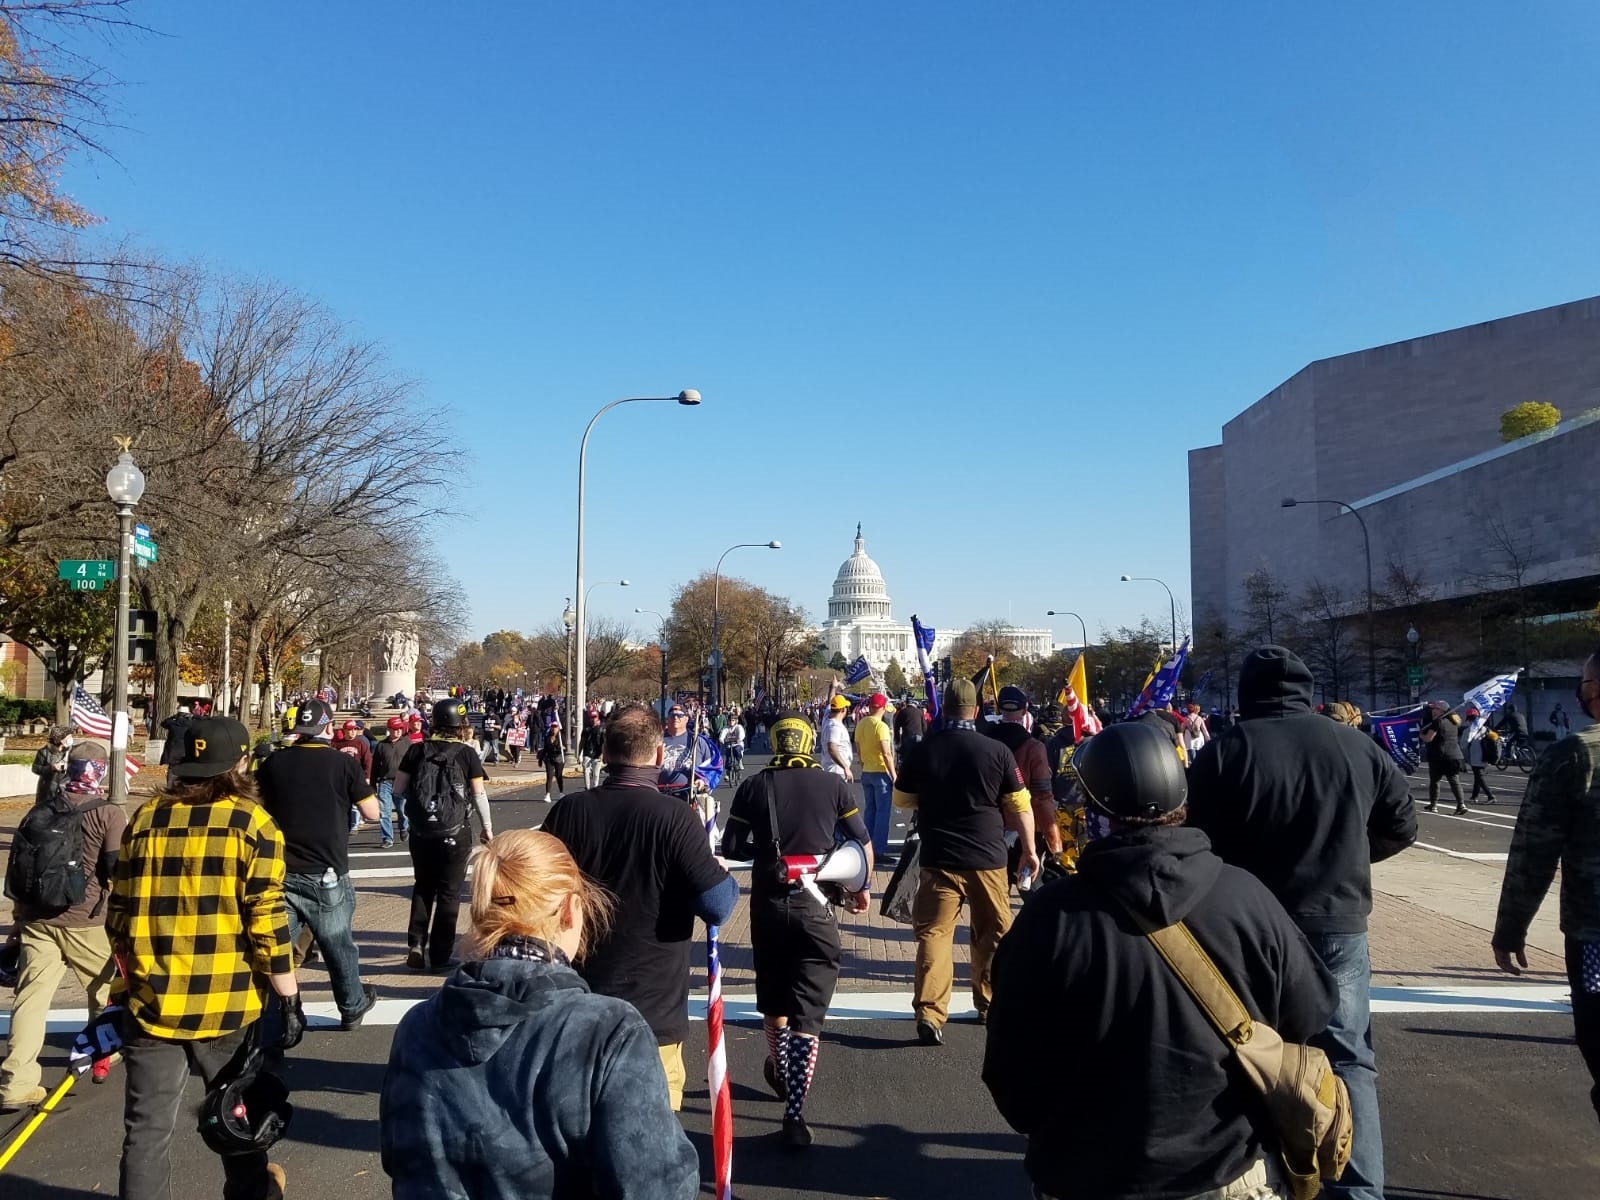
858	589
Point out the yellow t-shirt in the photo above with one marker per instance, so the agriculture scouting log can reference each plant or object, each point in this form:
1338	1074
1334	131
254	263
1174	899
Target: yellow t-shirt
872	744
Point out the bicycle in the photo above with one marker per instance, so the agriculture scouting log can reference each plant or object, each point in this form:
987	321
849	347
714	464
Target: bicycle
1516	752
734	770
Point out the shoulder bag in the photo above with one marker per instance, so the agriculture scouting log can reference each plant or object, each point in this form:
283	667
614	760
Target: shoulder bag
1305	1101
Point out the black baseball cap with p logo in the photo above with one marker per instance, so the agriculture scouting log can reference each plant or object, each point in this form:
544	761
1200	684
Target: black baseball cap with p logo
212	746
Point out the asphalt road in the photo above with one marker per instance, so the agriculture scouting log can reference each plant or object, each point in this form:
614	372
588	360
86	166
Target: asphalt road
1476	1108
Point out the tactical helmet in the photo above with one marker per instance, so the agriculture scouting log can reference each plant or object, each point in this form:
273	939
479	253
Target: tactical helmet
450	714
791	734
1130	770
247	1108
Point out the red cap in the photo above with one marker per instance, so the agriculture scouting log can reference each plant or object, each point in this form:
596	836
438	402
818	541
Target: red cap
397	722
352	726
415	720
878	700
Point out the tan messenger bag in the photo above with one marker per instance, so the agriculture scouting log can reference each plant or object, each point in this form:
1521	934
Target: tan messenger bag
1306	1102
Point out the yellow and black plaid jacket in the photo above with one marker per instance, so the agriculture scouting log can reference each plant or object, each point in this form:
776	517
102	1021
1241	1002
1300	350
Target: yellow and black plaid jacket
197	912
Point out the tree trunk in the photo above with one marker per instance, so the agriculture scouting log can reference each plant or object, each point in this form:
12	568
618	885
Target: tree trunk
172	636
252	646
66	676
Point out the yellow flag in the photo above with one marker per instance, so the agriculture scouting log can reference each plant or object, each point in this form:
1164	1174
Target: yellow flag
1078	680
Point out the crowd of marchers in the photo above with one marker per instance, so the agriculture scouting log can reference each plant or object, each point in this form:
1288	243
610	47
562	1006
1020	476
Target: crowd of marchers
1199	894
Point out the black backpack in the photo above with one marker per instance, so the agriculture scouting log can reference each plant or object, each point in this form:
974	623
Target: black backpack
436	802
46	868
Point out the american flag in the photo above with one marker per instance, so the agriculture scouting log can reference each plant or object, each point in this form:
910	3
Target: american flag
94	721
716	1050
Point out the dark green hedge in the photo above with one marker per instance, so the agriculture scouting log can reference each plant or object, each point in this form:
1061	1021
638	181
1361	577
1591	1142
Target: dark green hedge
14	711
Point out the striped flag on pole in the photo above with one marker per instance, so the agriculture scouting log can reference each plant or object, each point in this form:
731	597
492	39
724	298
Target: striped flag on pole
924	639
717	1064
95	722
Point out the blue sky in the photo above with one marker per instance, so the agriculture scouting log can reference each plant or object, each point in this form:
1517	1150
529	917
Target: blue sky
974	275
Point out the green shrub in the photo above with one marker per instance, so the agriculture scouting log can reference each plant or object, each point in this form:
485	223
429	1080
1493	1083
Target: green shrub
1531	416
16	760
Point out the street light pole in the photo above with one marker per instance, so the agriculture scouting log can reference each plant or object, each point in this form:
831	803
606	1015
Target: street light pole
1172	600
227	657
661	647
1081	625
689	398
716	614
125	485
1372	640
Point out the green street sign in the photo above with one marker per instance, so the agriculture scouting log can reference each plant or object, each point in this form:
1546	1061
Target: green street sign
1414	676
145	549
87	574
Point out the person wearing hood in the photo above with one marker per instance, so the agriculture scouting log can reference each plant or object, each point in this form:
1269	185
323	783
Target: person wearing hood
515	1080
1180	1123
1307	805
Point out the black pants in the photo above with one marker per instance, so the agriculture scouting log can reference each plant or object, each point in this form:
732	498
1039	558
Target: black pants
157	1070
1585	1018
1479	784
794	942
440	868
1438	771
553	779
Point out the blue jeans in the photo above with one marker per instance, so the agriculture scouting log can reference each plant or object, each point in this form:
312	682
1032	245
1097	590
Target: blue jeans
329	912
1348	1044
386	803
877	800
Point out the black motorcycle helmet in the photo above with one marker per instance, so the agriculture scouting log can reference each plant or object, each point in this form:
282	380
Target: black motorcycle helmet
10	964
1131	771
247	1108
450	714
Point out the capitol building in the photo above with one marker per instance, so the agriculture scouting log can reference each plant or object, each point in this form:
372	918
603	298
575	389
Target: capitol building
860	621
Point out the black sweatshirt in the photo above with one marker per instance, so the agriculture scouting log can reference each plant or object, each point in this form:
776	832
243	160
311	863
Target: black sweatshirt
1304	803
1141	1103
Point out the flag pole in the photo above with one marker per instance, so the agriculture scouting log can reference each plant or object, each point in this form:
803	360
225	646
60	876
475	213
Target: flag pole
717	1082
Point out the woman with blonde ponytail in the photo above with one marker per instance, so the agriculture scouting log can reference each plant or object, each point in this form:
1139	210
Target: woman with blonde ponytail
515	1080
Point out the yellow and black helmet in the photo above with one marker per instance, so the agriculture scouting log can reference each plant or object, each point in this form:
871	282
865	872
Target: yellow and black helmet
450	714
792	735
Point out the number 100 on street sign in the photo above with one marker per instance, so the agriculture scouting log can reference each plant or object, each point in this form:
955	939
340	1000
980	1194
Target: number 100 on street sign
87	574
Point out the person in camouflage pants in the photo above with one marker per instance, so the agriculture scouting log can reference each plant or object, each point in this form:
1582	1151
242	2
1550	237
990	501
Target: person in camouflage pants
1560	823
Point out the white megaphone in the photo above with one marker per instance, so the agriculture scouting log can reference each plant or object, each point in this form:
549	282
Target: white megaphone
845	865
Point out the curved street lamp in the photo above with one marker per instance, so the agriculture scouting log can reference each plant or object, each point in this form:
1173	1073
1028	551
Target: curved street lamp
716	615
576	695
1085	628
1172	600
1372	642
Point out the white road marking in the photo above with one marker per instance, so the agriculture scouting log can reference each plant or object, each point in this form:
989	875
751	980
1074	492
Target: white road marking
1497	824
1470	857
740	1006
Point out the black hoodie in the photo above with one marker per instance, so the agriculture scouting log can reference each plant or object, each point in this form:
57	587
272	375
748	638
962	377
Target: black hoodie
1141	1103
1304	803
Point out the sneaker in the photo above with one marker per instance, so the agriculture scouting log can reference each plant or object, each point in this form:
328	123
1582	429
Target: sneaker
796	1133
279	1179
387	842
769	1072
1430	808
981	1019
26	1100
404	834
414	960
1461	811
929	1034
350	1021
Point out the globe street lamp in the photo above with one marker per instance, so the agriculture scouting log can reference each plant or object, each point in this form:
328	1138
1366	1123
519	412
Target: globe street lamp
688	398
661	647
1372	641
1170	599
125	485
1081	625
716	615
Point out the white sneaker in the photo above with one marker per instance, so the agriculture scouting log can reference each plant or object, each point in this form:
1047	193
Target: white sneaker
547	797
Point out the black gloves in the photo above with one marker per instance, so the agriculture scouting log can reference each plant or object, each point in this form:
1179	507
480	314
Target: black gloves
294	1021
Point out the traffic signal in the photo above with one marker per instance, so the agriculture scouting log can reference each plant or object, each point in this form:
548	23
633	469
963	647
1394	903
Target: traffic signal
141	635
945	669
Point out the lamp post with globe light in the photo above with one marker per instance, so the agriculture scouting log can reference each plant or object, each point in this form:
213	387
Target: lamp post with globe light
125	485
716	615
578	684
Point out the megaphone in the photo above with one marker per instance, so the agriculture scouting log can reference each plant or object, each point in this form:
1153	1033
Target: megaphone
844	866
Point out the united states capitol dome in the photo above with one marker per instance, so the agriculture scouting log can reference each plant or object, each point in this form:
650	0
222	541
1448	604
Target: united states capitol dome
858	589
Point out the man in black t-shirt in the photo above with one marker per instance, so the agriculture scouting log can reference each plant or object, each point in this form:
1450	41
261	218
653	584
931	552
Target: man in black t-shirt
650	851
967	792
441	842
792	934
308	789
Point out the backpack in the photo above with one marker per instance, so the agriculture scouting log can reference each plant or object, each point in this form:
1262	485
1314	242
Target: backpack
46	868
436	803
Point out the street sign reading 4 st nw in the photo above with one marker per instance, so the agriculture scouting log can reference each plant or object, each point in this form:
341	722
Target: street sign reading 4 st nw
87	574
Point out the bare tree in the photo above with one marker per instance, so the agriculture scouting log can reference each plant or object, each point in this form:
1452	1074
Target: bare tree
1265	604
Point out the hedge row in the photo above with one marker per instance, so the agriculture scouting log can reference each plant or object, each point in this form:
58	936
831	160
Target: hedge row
14	711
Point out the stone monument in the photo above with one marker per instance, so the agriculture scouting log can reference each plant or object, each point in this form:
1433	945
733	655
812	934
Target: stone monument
398	671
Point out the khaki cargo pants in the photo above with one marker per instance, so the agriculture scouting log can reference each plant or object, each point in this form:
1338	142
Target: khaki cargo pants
940	895
47	952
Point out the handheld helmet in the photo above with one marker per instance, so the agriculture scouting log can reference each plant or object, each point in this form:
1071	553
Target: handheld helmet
450	714
1129	770
247	1108
10	964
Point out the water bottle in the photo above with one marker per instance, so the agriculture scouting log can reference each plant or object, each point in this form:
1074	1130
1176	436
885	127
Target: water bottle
1025	879
330	878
